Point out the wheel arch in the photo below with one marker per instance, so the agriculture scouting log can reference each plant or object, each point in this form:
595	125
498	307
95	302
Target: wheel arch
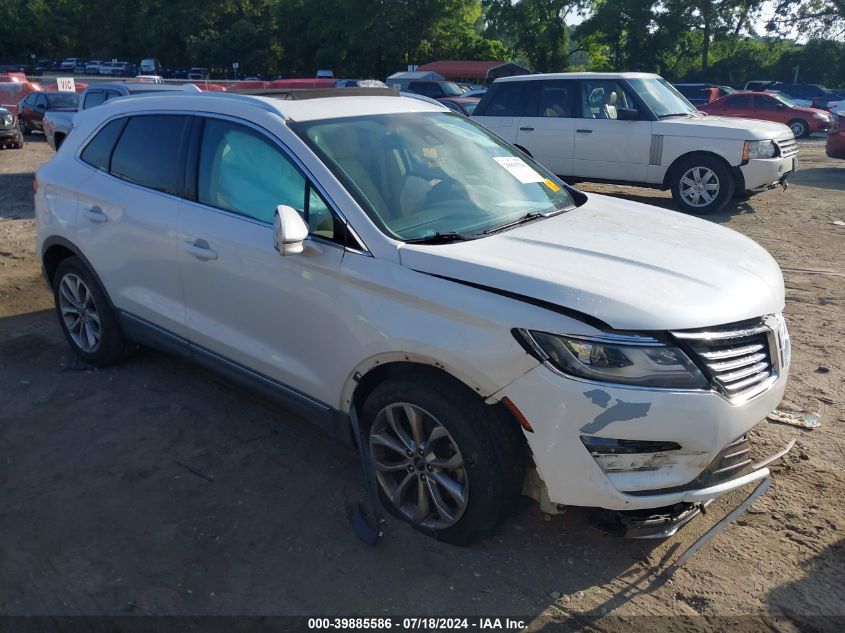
375	371
55	250
670	173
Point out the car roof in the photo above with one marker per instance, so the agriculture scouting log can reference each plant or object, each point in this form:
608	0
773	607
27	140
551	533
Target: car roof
141	86
581	75
334	107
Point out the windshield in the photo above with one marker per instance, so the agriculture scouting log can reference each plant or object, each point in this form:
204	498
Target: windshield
784	98
62	100
661	97
421	175
451	89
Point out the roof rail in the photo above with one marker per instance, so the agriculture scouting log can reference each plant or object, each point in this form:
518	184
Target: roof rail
246	98
299	94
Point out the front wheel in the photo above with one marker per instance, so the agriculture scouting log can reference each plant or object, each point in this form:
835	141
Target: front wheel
445	462
702	185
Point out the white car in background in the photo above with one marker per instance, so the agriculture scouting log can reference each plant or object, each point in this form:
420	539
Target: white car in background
494	329
637	129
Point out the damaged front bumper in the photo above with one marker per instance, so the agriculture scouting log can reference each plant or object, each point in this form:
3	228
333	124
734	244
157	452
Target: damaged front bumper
710	461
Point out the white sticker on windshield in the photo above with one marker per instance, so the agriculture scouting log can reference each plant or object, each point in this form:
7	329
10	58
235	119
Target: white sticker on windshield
519	169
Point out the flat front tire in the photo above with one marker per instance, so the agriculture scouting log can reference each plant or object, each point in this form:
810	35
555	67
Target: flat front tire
702	185
86	316
445	462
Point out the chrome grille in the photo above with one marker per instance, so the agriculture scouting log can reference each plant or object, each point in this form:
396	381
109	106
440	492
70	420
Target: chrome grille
788	146
737	359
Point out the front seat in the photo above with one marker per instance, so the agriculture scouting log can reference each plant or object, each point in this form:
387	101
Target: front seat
609	109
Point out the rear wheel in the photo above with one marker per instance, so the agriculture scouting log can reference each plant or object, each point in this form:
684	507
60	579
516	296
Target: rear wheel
24	128
702	184
800	128
445	462
86	316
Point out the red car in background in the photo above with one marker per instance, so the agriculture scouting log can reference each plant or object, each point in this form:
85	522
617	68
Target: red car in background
32	109
835	146
769	106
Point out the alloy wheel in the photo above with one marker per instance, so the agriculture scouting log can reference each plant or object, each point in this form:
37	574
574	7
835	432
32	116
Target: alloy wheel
79	313
418	465
798	128
699	186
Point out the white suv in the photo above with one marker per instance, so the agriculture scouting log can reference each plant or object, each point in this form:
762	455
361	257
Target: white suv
637	129
381	253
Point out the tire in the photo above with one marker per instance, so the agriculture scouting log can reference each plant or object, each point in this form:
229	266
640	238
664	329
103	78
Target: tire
98	340
18	145
800	128
708	172
472	448
24	129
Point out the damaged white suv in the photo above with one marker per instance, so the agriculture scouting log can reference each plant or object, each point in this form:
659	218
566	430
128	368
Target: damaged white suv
494	329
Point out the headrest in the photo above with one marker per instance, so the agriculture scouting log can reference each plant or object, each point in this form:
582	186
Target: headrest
611	98
341	141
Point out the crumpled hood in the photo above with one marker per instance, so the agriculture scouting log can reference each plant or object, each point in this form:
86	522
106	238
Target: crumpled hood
633	266
724	127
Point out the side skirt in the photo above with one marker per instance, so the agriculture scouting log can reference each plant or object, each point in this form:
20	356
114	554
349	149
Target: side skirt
331	420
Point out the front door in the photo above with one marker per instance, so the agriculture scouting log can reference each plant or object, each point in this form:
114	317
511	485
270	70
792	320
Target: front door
245	302
605	147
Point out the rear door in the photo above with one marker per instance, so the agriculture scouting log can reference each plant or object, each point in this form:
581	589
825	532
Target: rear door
605	147
245	302
128	214
502	107
547	126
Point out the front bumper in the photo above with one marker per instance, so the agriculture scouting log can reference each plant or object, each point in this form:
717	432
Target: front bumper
764	173
703	423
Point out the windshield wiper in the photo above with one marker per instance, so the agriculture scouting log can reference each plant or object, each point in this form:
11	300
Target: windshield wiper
528	217
440	238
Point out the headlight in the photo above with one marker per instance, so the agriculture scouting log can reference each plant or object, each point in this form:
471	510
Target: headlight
629	360
758	149
8	119
821	117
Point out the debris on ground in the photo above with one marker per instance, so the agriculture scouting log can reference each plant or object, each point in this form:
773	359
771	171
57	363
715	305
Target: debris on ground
802	420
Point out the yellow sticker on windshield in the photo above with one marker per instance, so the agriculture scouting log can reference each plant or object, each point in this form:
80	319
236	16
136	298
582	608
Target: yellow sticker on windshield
551	185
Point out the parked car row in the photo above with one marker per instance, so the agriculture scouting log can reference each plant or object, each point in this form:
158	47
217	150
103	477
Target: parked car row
772	106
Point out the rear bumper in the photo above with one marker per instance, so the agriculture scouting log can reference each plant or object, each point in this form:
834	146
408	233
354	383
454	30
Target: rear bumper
763	173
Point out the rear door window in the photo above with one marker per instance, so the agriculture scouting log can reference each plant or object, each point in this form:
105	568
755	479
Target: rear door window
555	99
506	99
148	152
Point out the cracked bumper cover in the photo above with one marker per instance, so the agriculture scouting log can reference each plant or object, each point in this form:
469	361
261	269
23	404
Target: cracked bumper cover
560	410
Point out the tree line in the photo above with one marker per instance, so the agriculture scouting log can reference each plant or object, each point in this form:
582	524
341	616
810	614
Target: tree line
713	40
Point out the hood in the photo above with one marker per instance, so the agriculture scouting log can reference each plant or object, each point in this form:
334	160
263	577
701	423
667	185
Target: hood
811	111
725	127
630	265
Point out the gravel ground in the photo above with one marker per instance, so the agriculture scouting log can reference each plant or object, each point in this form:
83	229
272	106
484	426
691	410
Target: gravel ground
156	488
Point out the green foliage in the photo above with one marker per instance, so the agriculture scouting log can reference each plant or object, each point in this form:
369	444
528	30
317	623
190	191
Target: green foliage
706	40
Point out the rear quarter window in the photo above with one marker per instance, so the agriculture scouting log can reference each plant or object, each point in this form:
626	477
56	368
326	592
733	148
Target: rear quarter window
503	99
148	152
98	151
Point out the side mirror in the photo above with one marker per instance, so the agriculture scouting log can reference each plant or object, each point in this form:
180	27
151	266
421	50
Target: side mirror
289	230
627	114
779	106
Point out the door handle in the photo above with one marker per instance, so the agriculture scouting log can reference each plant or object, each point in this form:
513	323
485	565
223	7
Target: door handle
95	214
584	131
200	249
526	129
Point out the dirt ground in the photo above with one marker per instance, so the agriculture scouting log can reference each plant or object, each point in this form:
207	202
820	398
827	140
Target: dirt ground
156	488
